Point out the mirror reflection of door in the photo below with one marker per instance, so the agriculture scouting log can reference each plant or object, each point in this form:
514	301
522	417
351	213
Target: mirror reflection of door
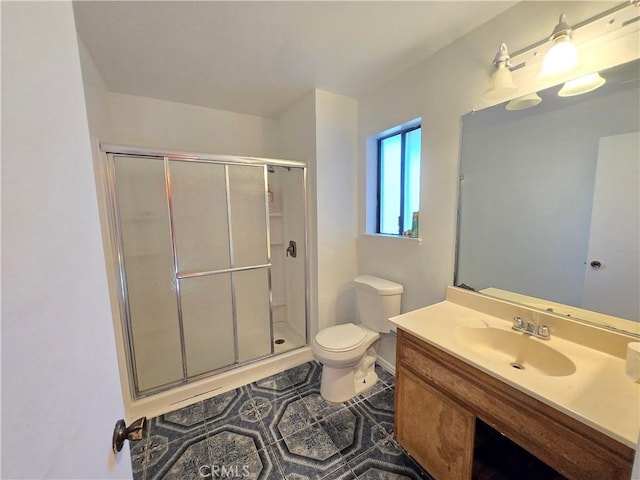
614	238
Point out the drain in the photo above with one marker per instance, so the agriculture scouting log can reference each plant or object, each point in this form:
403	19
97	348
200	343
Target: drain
279	341
517	365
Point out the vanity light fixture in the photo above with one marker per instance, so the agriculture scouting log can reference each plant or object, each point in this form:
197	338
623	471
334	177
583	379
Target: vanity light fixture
562	57
526	101
501	81
584	84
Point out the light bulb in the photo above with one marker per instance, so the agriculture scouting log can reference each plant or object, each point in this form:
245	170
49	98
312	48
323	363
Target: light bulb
561	58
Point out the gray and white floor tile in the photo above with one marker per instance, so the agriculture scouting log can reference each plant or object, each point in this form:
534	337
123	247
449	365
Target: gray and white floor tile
278	428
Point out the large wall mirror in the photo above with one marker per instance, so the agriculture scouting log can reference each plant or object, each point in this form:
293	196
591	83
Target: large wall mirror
549	206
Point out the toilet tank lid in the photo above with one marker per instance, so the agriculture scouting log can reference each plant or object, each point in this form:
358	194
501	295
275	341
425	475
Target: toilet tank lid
378	285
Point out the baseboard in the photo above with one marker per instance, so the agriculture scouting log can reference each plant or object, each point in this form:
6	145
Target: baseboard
386	365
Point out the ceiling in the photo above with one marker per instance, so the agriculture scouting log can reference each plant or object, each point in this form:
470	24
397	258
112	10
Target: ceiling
260	57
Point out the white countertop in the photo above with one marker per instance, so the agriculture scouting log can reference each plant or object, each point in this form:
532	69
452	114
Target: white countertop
598	393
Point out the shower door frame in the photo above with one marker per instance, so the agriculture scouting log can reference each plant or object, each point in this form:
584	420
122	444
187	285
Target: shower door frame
115	231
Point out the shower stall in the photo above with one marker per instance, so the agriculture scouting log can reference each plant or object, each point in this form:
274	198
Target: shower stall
211	259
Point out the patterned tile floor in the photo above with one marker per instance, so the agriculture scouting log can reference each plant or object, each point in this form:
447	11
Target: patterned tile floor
277	428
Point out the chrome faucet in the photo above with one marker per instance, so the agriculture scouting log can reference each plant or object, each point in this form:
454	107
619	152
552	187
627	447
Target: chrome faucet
530	328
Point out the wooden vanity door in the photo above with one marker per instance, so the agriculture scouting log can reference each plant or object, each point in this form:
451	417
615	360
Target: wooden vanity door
434	430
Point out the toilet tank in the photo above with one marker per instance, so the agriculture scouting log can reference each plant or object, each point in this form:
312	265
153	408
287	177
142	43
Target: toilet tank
378	300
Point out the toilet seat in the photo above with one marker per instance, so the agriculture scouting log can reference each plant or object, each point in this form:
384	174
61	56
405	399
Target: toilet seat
341	338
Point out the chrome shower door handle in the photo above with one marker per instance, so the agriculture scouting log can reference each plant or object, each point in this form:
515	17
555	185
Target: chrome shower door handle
292	249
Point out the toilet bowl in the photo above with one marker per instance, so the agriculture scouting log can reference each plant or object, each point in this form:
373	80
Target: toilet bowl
348	351
348	354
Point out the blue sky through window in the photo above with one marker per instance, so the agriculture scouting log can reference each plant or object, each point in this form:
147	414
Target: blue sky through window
399	181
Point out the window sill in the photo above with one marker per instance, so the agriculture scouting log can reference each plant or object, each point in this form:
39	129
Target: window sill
417	241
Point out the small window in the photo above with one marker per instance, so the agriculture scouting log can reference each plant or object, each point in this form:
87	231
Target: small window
399	182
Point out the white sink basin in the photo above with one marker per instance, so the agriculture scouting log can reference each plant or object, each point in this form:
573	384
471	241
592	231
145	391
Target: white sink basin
519	350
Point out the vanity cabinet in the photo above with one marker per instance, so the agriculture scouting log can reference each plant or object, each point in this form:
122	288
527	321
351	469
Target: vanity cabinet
434	429
438	398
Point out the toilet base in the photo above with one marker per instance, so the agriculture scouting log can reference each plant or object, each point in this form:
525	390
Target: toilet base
342	384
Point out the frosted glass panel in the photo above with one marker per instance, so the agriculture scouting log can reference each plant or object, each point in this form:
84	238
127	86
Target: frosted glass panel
252	310
207	318
248	215
295	270
200	216
219	220
148	257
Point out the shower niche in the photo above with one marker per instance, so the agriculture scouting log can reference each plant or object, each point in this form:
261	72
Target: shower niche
206	283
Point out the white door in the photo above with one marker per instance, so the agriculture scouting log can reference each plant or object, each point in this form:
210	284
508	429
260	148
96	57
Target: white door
612	283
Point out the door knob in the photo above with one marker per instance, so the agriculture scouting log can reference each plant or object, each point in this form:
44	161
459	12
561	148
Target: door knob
121	433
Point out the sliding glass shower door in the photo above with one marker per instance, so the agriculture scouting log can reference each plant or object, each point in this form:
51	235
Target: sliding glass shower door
196	269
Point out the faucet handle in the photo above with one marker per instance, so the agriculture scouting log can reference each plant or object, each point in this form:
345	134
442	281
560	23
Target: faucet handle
518	322
543	332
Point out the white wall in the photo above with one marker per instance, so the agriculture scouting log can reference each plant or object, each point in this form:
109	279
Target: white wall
321	129
440	90
96	96
99	122
148	122
336	147
60	387
141	121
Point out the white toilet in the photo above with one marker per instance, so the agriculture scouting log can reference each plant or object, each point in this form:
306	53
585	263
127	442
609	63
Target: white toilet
348	352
